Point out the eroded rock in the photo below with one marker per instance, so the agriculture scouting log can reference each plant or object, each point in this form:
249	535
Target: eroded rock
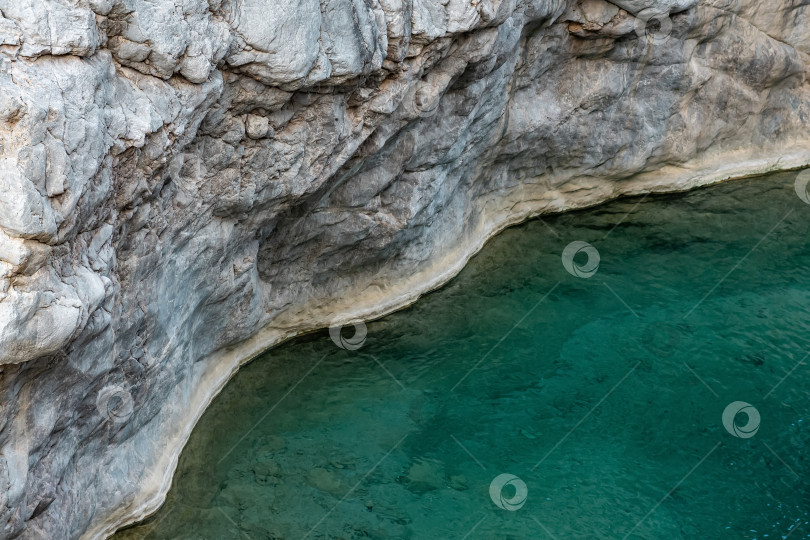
185	183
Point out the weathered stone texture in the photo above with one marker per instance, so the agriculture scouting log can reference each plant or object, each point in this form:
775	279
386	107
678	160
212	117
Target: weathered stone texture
184	182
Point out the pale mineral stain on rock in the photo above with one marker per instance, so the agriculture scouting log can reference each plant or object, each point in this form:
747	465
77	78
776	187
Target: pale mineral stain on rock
257	126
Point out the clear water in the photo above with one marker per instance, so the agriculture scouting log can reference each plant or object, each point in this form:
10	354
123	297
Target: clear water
605	398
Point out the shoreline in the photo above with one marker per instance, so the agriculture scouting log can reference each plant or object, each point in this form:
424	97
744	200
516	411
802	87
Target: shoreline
216	369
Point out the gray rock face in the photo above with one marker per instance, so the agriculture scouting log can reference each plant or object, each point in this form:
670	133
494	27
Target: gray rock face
184	183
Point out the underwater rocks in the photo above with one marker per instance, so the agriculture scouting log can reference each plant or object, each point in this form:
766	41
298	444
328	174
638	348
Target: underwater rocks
183	184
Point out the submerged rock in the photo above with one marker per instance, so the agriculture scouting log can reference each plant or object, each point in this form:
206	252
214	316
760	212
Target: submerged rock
426	475
325	480
183	184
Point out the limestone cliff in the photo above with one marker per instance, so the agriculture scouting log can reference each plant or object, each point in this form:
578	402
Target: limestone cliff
186	182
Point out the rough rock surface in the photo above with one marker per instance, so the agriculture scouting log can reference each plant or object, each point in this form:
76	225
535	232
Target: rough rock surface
185	182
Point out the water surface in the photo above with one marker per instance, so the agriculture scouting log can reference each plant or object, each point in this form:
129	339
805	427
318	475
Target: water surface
604	395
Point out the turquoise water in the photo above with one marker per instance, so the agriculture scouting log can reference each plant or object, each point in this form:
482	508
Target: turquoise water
603	395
